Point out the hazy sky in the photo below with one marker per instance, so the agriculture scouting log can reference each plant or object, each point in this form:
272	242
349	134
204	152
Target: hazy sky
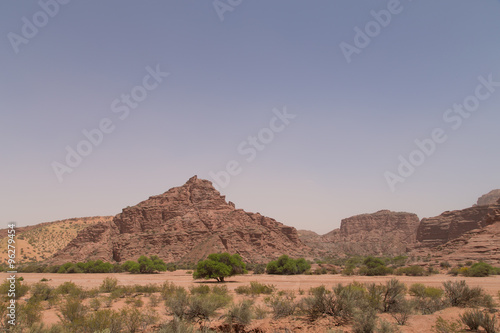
354	84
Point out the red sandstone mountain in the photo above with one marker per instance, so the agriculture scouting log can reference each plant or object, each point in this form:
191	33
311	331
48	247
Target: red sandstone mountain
380	233
490	198
185	224
451	225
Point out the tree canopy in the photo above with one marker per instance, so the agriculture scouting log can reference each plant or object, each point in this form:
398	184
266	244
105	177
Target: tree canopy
219	266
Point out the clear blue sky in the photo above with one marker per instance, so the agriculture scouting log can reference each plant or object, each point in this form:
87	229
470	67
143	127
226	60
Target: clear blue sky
353	119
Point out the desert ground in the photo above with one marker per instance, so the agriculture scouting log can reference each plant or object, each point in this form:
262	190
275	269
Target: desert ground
417	323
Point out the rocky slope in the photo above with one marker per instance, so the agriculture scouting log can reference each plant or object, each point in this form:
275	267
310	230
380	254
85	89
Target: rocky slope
489	199
41	241
451	225
185	224
380	233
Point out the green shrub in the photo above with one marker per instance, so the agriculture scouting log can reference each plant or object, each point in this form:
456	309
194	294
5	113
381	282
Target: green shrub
255	288
169	289
29	313
460	294
364	321
414	270
147	289
319	303
41	291
108	285
480	269
444	326
393	292
287	266
69	288
282	305
95	304
103	321
472	319
240	313
490	323
200	290
20	288
72	312
401	311
386	327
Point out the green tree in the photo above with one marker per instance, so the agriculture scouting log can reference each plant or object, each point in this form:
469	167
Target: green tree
287	266
220	265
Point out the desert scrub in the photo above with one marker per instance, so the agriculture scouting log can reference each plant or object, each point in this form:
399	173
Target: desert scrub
401	311
364	321
445	326
95	304
108	285
472	319
41	291
283	305
460	294
72	312
392	293
240	313
256	288
154	300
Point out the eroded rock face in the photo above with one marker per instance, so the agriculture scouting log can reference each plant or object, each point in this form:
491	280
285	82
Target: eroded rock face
186	224
490	198
381	233
451	225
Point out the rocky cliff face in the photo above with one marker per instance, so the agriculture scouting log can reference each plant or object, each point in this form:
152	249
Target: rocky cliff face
380	233
185	223
490	198
451	225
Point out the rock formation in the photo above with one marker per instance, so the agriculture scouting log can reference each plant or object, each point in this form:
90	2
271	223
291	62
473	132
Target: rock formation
451	225
184	224
490	198
380	233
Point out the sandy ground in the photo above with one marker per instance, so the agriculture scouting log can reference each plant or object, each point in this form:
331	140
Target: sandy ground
417	323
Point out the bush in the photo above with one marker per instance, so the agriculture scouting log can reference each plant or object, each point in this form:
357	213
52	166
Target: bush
480	269
154	301
287	266
414	270
95	304
41	292
364	321
219	266
472	319
490	323
460	294
103	321
401	311
282	305
444	326
393	293
29	313
145	265
21	288
200	290
240	313
69	288
108	285
259	269
320	303
386	327
255	288
72	312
